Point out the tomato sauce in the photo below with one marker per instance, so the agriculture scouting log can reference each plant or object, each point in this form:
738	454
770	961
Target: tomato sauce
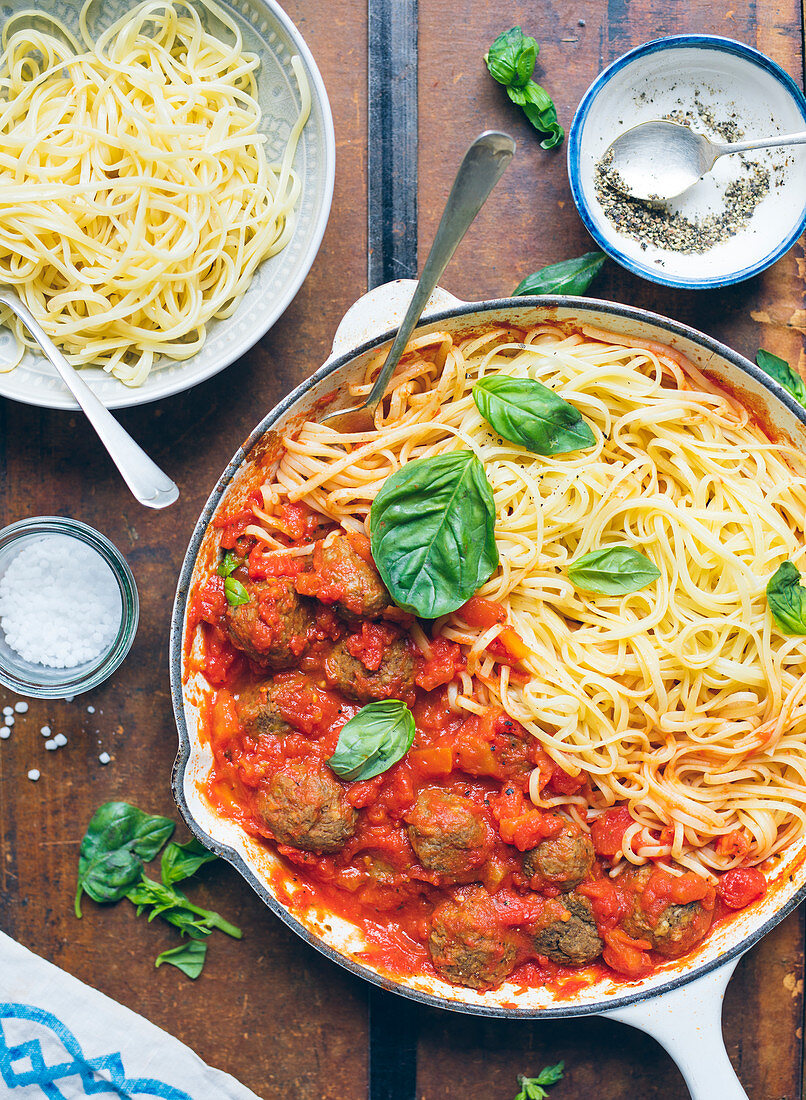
479	765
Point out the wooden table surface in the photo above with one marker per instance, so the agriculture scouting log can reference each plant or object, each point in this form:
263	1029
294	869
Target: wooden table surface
269	1009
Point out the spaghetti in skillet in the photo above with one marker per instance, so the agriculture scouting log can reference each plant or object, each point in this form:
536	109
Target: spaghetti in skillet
621	762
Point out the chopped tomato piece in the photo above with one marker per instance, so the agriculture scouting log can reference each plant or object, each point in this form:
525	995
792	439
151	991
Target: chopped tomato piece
298	521
212	601
360	544
370	645
563	783
218	656
481	614
664	889
522	824
735	843
513	643
626	955
433	761
607	831
441	667
610	906
741	886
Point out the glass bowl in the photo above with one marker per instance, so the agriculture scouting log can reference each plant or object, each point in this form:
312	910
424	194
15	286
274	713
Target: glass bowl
41	681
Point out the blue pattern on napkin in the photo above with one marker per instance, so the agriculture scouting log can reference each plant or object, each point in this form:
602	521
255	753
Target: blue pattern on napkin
114	1078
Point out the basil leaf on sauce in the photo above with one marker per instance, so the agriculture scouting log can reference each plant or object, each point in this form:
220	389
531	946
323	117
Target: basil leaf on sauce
235	592
527	412
181	861
379	735
565	277
228	564
511	58
786	598
433	533
117	841
188	957
613	571
779	370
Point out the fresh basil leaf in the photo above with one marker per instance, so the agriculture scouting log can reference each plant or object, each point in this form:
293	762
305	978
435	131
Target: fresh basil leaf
181	861
375	739
511	58
783	374
172	905
235	592
542	114
188	957
528	413
566	277
613	571
532	1088
117	841
786	598
228	564
433	533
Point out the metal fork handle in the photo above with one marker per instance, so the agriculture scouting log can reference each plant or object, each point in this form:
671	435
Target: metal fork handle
482	167
150	485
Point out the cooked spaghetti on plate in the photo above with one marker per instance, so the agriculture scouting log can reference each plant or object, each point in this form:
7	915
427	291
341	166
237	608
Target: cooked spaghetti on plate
136	196
575	563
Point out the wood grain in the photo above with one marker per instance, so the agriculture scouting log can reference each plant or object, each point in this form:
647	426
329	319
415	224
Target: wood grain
270	1009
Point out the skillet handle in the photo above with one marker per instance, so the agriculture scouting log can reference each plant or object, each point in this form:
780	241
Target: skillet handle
382	309
687	1022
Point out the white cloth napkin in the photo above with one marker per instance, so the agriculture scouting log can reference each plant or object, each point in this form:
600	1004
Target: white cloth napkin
62	1040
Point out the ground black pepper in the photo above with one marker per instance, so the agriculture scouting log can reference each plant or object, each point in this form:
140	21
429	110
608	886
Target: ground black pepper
659	224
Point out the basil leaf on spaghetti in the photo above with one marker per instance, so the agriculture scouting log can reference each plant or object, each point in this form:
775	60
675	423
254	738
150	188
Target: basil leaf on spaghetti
228	564
526	412
433	533
613	571
786	598
375	739
235	592
779	370
566	277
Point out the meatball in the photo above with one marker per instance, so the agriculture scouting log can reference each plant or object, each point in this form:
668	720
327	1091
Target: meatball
361	592
675	930
272	629
258	712
449	835
305	806
467	945
561	861
392	679
567	933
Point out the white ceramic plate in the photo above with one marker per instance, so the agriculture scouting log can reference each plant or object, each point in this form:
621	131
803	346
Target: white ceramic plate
735	83
269	32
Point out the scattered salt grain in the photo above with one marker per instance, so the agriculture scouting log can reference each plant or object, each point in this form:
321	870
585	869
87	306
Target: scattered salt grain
8	720
70	698
21	707
7	711
60	604
45	731
60	740
33	775
51	745
104	757
90	710
5	732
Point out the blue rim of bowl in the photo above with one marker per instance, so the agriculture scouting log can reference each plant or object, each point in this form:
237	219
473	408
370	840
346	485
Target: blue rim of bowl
698	41
394	984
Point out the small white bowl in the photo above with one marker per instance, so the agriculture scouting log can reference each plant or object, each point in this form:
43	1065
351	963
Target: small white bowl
734	82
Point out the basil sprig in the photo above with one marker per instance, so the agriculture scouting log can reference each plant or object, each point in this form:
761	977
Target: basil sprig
783	374
786	598
235	592
433	533
527	412
613	571
534	1088
118	840
228	564
369	744
511	61
566	277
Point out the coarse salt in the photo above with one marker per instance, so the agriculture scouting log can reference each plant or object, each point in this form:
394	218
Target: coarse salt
21	707
60	605
51	745
104	757
7	711
33	775
45	731
8	720
5	732
60	740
